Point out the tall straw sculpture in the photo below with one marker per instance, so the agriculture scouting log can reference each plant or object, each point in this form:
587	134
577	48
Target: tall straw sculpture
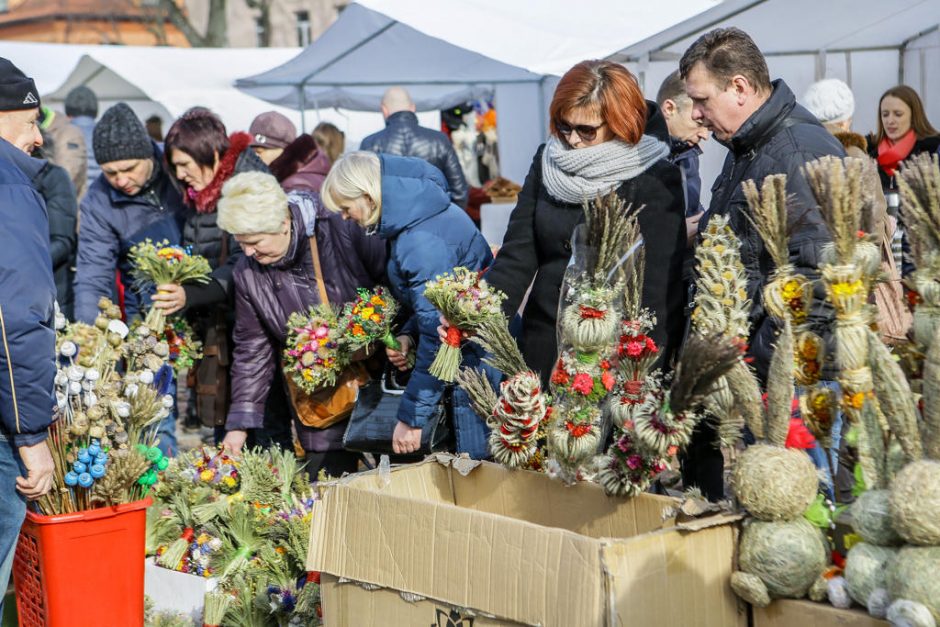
516	415
782	555
722	307
912	581
920	188
588	325
849	266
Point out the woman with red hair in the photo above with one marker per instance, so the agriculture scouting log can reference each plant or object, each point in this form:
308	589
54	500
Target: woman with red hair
600	141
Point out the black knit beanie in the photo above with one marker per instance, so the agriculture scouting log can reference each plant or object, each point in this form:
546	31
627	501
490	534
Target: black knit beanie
17	91
81	101
120	135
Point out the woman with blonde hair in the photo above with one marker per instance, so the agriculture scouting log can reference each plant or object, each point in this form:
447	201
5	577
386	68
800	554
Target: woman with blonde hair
405	202
330	139
275	278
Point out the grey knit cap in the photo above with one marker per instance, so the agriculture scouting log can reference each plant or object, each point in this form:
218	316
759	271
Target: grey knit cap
81	101
120	135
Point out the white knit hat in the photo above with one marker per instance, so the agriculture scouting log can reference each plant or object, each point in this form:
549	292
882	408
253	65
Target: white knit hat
830	100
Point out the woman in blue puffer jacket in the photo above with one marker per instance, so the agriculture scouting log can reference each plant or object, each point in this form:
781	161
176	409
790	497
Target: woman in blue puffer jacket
405	202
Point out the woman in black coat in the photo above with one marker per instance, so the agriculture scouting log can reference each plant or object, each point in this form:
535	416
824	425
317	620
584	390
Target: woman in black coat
599	142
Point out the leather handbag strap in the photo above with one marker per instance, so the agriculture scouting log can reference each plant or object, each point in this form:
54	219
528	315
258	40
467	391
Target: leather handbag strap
318	271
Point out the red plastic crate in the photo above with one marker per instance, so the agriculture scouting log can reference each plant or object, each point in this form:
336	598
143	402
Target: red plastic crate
87	564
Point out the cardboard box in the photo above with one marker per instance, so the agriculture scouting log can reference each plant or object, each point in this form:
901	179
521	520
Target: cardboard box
792	613
510	547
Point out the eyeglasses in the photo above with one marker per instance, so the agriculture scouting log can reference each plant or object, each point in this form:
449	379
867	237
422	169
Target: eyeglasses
585	132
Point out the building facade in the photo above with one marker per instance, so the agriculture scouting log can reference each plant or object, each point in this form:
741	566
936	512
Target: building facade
247	23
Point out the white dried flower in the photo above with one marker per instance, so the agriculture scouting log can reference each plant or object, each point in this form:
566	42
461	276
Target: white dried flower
167	401
68	349
75	388
145	377
76	373
118	328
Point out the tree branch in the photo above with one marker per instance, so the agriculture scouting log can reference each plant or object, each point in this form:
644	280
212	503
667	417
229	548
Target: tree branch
178	19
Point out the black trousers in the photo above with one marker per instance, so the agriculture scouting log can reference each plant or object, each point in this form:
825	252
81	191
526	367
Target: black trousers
702	464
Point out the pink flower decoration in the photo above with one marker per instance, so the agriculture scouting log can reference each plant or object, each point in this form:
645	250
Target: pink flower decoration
583	383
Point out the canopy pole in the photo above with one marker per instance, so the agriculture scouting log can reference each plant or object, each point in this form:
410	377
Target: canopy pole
303	108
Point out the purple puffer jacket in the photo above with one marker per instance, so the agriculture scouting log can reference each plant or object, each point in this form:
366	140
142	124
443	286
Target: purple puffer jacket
265	296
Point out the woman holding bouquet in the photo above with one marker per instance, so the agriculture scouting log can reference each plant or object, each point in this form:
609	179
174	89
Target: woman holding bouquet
405	202
275	278
602	139
202	157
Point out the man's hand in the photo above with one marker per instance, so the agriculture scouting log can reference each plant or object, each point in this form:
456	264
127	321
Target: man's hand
399	359
691	228
406	439
234	441
39	470
170	298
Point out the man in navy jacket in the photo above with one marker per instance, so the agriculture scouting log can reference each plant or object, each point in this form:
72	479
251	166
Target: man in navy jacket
27	338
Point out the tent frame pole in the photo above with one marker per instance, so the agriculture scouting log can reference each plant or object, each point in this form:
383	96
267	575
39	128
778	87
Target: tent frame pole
302	98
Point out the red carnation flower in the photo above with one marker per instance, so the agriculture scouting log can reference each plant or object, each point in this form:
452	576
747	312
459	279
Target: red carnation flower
583	383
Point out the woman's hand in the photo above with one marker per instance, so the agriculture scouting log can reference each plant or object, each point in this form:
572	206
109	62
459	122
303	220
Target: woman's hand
442	330
399	359
170	298
405	439
234	441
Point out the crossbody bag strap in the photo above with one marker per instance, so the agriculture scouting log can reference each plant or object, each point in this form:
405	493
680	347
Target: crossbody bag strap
317	270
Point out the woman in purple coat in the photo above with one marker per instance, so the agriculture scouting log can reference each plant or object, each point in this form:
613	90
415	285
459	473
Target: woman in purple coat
275	278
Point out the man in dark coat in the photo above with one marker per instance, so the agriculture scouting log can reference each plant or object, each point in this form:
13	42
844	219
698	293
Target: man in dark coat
766	132
133	199
27	349
402	136
130	201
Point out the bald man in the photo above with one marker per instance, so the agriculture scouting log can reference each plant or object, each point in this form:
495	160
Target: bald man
402	136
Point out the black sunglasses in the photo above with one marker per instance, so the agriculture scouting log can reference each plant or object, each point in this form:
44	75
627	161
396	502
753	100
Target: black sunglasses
585	132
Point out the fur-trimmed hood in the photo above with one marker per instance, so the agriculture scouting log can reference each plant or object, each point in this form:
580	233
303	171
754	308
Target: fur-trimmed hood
302	165
238	158
850	139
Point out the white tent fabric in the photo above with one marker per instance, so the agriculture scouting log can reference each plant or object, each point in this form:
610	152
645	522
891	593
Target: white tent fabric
165	81
545	37
871	44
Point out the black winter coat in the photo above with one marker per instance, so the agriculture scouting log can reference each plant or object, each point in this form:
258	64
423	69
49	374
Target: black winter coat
402	136
537	245
778	138
201	230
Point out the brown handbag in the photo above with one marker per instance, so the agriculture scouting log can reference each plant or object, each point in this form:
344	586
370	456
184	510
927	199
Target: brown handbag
894	317
333	404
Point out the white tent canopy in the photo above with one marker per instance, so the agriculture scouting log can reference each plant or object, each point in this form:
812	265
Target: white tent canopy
364	53
165	81
545	37
871	44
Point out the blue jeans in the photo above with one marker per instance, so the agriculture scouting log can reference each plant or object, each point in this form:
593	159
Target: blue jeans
12	510
166	428
818	455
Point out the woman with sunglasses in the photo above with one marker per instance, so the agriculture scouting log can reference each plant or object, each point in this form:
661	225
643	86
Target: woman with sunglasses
597	144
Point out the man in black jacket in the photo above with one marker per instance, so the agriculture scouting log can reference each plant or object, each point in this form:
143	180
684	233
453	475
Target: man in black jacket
402	136
27	339
766	132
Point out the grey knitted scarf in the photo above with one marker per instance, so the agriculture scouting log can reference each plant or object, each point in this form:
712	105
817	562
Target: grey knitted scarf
575	175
